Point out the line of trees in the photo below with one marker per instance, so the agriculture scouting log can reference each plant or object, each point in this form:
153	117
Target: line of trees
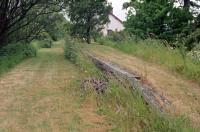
170	20
24	20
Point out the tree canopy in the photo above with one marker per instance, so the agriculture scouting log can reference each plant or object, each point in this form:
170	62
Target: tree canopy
88	17
25	17
163	19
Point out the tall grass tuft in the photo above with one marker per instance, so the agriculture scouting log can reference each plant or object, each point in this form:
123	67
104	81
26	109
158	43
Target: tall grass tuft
129	112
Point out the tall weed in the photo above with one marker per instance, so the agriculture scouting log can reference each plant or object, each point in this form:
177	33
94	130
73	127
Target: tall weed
129	112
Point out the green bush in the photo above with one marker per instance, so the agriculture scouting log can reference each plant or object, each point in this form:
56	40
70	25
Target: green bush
70	50
12	54
26	50
119	36
193	40
46	43
74	54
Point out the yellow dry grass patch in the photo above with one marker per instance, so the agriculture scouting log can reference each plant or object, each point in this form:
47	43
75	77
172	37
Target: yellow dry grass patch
37	96
184	94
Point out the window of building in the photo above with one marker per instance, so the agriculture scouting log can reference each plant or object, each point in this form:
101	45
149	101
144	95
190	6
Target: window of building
109	32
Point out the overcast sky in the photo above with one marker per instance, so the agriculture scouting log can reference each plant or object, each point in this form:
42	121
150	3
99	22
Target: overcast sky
117	8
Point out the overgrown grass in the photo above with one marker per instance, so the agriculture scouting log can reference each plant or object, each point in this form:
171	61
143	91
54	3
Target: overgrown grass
129	112
175	60
13	54
126	109
74	54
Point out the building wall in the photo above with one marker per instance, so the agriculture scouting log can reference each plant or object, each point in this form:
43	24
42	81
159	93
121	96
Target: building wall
114	25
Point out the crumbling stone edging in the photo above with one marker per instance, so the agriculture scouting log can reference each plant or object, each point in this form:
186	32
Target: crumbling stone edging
150	95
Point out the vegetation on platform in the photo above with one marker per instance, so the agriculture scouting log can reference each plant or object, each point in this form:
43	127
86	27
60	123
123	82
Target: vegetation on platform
125	108
176	60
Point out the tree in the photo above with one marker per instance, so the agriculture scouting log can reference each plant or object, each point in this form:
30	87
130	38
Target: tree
188	3
149	17
162	19
24	17
88	16
55	25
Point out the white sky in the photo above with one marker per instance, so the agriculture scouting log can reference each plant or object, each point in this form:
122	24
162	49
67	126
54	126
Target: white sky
117	8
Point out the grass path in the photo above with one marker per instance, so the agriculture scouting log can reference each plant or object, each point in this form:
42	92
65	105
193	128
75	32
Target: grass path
40	94
184	94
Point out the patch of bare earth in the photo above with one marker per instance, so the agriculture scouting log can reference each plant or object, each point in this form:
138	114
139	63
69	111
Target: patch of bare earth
36	96
184	94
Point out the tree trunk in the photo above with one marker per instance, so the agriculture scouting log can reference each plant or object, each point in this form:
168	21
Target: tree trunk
88	38
186	7
3	32
3	39
88	34
186	4
3	22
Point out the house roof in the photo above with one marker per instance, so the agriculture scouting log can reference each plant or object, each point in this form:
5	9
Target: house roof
116	17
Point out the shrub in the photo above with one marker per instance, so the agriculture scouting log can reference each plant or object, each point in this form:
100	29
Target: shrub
12	54
70	50
195	53
118	36
101	40
193	40
26	50
74	54
46	43
42	43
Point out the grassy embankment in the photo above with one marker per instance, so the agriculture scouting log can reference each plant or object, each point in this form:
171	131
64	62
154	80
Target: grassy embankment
175	60
125	109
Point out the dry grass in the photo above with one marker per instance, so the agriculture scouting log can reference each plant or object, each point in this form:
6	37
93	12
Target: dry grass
184	94
40	94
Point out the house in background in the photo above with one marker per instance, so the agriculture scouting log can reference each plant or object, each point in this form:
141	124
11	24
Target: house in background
115	25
